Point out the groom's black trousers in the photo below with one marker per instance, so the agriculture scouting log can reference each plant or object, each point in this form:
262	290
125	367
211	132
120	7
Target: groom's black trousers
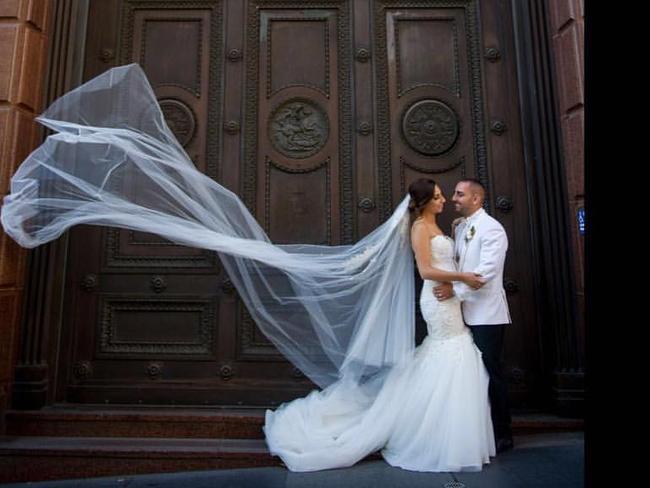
489	340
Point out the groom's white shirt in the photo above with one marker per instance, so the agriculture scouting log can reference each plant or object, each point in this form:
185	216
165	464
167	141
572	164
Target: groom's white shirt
484	253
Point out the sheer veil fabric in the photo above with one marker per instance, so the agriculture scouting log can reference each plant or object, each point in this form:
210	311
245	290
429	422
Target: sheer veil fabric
343	315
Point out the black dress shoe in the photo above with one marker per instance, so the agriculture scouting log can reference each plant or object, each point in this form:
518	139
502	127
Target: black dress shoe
504	445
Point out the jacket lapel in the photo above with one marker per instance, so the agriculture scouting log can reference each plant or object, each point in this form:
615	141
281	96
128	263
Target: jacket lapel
460	242
465	245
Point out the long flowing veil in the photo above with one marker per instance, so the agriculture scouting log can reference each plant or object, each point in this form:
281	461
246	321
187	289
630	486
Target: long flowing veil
334	311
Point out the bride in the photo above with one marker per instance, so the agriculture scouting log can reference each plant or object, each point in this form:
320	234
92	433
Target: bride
432	413
343	315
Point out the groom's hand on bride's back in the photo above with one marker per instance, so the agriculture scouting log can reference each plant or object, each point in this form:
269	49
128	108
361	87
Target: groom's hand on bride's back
443	291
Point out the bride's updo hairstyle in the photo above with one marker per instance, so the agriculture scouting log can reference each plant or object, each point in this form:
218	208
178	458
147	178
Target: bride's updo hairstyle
421	191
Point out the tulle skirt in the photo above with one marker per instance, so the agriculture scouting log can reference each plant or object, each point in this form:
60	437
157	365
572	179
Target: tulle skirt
431	414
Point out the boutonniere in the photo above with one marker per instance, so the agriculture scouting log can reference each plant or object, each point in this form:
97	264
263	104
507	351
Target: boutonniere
470	234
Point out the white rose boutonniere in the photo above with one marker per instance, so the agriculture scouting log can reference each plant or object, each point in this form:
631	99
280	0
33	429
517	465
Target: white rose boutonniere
471	232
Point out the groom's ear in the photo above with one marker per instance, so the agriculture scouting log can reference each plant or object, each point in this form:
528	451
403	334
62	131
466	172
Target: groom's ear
478	194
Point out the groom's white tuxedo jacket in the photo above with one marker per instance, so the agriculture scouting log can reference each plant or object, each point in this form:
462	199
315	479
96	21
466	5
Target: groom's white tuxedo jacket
480	246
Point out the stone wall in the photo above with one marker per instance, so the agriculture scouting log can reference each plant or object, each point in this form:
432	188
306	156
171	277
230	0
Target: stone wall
24	27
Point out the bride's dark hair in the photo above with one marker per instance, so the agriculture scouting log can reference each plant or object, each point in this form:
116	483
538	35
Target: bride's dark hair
421	191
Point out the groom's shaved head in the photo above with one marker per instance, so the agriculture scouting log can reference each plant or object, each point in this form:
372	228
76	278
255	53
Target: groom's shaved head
475	186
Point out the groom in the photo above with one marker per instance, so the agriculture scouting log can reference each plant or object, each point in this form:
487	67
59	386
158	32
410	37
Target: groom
481	245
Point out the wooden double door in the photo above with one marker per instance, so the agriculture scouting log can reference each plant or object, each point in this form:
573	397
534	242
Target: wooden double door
318	114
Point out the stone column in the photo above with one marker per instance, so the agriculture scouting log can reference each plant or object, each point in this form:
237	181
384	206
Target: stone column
566	30
24	27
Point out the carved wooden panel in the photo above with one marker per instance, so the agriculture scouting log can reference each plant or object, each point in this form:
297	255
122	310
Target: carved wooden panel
310	58
432	40
435	133
137	328
174	45
298	120
301	191
252	344
141	307
429	113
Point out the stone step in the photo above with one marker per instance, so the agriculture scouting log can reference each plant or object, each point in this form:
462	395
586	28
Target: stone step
536	423
193	423
34	458
128	422
61	443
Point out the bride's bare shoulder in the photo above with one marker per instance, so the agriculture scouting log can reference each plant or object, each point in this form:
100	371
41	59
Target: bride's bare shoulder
418	224
419	229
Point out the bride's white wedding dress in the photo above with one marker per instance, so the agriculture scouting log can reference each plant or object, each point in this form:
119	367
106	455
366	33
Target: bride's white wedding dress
431	414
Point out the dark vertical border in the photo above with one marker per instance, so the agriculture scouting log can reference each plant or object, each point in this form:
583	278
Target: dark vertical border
35	384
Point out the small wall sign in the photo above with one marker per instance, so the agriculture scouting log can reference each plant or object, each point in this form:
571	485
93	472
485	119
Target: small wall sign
581	220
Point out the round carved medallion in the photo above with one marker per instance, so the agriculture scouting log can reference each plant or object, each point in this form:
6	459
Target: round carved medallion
298	128
179	118
430	127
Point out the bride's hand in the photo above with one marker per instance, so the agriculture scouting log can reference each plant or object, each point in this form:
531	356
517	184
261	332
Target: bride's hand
473	280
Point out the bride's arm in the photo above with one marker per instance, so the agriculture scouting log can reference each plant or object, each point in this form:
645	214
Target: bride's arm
421	243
